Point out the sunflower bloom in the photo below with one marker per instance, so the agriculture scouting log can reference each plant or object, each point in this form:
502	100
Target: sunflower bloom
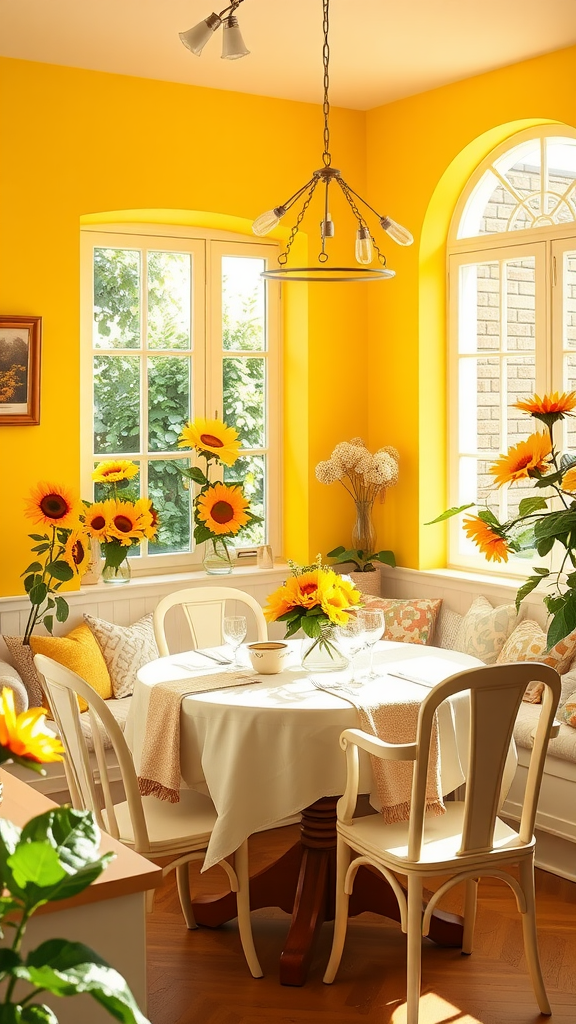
22	734
148	517
77	552
125	523
222	508
569	480
549	408
278	604
212	437
114	470
51	505
491	544
524	459
97	519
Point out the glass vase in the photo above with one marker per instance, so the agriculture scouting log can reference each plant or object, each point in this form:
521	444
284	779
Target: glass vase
117	574
363	532
217	558
323	653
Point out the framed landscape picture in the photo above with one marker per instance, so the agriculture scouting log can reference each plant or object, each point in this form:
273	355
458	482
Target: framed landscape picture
20	338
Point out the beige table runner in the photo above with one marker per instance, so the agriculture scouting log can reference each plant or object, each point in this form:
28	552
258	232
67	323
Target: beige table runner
160	765
395	720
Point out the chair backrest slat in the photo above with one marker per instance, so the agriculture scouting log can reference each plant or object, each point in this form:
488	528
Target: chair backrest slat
61	686
204	608
495	695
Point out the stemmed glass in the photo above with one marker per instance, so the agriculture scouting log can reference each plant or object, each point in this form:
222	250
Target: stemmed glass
373	625
234	630
353	639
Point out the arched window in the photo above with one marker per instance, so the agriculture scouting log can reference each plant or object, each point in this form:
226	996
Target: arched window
512	287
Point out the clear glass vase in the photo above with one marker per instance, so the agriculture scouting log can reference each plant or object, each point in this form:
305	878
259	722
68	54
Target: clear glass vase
117	574
363	532
217	558
323	653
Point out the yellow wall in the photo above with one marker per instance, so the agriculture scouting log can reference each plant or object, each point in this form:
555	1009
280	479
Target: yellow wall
80	142
420	153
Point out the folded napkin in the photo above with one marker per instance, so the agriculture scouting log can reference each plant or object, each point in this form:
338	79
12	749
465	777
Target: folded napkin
394	718
160	764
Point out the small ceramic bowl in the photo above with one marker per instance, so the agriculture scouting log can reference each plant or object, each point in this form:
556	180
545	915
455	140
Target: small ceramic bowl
268	656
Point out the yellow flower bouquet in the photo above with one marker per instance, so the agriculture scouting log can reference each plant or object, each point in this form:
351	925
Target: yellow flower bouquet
317	600
543	520
120	519
22	738
221	510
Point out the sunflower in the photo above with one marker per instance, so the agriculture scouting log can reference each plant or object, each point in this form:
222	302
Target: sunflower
22	734
278	604
77	552
51	505
527	458
211	437
149	520
222	508
569	480
115	470
491	544
97	519
125	523
551	407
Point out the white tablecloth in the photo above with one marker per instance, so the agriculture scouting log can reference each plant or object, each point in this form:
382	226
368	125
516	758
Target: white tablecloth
268	749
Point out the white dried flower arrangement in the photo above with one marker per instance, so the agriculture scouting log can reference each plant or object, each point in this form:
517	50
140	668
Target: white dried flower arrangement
363	474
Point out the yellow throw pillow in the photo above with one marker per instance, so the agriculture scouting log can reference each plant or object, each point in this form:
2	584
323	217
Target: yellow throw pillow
79	652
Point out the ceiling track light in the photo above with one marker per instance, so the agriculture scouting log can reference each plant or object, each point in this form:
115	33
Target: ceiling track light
233	45
365	244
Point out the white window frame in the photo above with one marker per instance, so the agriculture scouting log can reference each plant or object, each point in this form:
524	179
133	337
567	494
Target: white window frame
547	245
206	247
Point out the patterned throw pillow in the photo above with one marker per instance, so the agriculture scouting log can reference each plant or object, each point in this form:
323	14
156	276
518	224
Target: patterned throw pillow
447	629
568	712
79	652
528	643
485	629
410	622
23	658
125	649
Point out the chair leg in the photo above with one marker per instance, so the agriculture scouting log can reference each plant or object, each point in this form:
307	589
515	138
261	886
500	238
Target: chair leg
469	914
531	936
183	884
414	936
343	857
150	900
243	905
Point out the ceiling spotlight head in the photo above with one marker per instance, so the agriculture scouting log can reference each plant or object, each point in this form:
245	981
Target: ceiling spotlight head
197	37
233	46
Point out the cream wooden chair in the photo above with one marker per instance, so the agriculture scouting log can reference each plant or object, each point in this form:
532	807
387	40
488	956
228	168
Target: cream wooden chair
152	827
470	840
204	608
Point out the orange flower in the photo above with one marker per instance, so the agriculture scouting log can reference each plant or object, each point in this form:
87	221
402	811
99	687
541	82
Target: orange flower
491	544
550	405
523	459
569	480
278	604
22	734
51	505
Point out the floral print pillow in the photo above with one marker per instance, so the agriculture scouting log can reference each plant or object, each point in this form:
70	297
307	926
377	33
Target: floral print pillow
568	712
408	621
484	630
528	643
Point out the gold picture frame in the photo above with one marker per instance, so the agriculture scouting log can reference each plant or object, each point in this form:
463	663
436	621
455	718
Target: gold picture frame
20	341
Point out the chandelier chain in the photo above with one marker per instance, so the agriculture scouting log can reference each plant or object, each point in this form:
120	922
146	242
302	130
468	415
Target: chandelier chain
283	257
326	156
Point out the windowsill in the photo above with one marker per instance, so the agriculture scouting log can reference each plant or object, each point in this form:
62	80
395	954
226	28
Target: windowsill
463	575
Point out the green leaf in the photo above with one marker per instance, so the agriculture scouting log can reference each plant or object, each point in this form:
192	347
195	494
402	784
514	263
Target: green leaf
38	536
541	571
564	620
544	546
70	968
62	610
196	474
9	959
292	628
35	863
290	616
201	533
336	552
33	567
30	581
386	557
48	621
114	554
41	548
454	511
526	588
38	1013
488	517
38	593
60	571
529	505
73	833
311	626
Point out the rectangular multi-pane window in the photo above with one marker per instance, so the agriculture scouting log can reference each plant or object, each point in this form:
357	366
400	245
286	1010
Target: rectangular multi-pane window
177	328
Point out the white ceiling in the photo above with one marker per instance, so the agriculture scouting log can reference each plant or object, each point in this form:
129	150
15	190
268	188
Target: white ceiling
382	50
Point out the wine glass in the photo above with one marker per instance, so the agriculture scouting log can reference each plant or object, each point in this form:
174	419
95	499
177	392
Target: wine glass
353	639
373	624
234	630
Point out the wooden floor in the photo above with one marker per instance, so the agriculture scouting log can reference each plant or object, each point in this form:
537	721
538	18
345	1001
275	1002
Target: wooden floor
200	977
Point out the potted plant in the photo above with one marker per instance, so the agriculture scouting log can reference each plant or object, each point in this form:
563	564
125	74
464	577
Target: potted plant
364	575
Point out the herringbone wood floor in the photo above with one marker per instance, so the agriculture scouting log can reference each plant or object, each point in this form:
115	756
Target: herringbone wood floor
201	977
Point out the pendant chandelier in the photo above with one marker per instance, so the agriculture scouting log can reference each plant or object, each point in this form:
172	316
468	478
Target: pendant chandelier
326	177
233	45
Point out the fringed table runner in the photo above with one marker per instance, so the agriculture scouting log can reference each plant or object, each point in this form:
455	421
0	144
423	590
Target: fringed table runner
394	719
160	765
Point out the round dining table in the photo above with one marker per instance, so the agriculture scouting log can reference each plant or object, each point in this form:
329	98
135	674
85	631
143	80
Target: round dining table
269	748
